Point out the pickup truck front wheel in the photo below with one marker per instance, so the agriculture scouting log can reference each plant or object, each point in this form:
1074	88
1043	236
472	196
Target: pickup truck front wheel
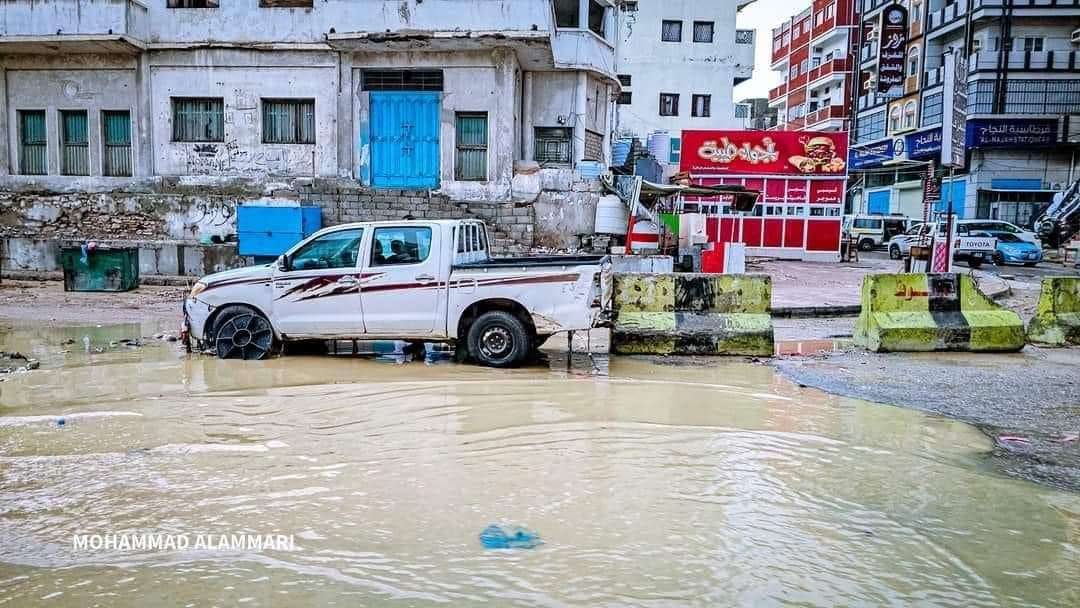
498	339
242	333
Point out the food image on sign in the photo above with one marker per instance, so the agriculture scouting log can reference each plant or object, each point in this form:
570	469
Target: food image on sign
765	153
820	157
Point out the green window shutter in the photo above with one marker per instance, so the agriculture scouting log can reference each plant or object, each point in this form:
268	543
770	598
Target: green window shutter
33	143
117	137
472	147
74	140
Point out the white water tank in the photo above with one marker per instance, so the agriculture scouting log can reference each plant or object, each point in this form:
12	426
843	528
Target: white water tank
612	215
660	146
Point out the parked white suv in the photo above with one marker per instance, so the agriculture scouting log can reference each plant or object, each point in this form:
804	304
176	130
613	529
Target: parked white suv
408	280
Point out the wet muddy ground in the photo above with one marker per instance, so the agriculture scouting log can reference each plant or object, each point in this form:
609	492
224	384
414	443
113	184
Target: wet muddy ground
651	482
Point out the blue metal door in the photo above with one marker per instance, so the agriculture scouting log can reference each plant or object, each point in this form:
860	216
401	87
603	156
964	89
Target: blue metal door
404	139
879	202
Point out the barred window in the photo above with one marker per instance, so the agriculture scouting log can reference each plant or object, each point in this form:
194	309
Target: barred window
702	106
191	4
703	31
671	31
33	143
669	104
472	146
288	121
74	143
554	145
594	145
626	98
932	109
198	119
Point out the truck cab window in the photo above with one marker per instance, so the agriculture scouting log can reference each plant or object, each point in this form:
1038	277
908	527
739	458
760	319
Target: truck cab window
334	250
396	246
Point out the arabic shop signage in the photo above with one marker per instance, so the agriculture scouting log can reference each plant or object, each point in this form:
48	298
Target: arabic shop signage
764	153
1009	132
913	146
893	51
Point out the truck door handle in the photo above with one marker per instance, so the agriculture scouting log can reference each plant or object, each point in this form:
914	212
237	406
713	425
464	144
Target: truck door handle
348	281
425	278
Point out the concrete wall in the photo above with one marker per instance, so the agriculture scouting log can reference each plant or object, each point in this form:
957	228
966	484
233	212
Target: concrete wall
686	68
243	79
245	21
55	84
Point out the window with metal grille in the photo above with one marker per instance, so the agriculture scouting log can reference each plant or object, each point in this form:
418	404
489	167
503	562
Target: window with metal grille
702	106
594	146
286	3
33	143
403	80
198	119
192	4
669	104
472	146
74	143
703	31
671	31
288	121
116	142
625	79
554	145
932	109
626	98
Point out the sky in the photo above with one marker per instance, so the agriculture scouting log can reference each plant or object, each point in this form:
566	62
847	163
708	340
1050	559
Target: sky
763	16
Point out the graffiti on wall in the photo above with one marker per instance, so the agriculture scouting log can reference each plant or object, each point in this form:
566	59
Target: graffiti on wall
231	158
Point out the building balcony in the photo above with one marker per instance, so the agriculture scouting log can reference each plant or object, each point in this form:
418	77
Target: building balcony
934	77
951	15
868	53
826	114
744	55
871	100
777	92
74	26
1025	61
584	50
837	68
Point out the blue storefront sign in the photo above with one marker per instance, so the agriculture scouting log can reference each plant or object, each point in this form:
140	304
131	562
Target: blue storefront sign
1011	132
873	155
913	146
924	144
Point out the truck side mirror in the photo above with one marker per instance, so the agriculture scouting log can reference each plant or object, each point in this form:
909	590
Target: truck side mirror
284	264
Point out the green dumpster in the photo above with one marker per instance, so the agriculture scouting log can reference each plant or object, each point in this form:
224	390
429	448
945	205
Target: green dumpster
100	269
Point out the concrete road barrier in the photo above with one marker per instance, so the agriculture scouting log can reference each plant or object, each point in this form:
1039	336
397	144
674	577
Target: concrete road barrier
933	312
1057	318
692	314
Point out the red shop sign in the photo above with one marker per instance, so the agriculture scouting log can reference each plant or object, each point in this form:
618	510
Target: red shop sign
764	153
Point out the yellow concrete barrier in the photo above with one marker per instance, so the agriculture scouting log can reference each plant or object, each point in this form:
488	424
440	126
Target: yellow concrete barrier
933	312
1057	318
693	314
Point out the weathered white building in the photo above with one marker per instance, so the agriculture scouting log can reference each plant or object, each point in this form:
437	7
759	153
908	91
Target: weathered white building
678	62
442	95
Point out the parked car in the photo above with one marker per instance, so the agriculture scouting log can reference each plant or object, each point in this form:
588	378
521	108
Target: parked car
409	280
974	248
997	227
1011	249
871	231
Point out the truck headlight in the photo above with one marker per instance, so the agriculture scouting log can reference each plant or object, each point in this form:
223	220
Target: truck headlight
197	288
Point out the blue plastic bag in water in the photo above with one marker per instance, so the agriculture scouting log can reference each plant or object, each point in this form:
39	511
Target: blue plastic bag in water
498	537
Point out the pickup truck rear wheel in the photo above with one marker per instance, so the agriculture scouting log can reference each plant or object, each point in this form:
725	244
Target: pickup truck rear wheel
499	339
242	333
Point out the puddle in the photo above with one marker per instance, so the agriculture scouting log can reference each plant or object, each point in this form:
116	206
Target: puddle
712	484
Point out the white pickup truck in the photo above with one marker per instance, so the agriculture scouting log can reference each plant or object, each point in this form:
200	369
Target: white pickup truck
408	280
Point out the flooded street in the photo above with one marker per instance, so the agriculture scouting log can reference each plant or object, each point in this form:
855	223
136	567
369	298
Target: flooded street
651	484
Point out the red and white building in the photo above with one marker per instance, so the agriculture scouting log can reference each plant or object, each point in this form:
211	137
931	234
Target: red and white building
813	53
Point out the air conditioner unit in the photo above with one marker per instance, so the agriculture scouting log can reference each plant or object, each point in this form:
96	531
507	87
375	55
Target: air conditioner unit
869	84
1075	37
872	35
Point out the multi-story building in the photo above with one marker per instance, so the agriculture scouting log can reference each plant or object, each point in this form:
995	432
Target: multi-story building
813	53
439	96
678	62
1023	107
755	114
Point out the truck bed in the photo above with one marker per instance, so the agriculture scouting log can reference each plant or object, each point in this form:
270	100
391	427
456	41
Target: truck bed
534	261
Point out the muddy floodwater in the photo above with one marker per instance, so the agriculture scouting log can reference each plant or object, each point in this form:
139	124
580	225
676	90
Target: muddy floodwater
651	484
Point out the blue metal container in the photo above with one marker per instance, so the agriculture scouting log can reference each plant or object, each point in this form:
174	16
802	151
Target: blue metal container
269	231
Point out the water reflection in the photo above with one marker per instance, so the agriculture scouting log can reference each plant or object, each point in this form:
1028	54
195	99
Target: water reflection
713	483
